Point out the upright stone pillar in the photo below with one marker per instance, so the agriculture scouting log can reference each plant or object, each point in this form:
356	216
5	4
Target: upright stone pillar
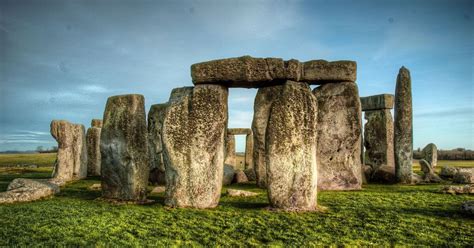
230	150
430	154
156	116
71	161
378	137
291	149
403	126
262	105
124	149
249	151
339	136
93	148
193	139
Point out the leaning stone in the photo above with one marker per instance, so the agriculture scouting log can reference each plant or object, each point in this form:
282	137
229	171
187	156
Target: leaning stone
430	154
377	102
428	172
468	207
156	116
448	172
228	175
71	161
93	151
290	142
230	150
322	71
25	190
263	102
403	127
240	177
193	139
339	136
250	173
240	193
465	189
124	149
96	123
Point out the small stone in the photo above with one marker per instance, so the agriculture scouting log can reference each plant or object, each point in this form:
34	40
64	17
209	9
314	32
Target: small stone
377	102
465	189
322	71
240	177
229	174
240	193
158	190
95	186
430	154
25	190
468	207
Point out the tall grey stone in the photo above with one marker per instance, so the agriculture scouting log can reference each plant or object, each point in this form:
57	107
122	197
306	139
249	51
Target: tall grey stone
430	154
124	149
262	105
339	136
193	139
230	150
93	151
403	127
71	161
156	116
290	142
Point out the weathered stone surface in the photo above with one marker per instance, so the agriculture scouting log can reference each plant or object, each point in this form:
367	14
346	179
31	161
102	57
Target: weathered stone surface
193	139
124	149
468	207
245	71
156	116
25	190
428	172
464	189
339	136
250	173
448	172
430	154
178	93
464	176
230	149
240	193
96	123
322	71
95	186
158	190
249	151
93	151
237	131
383	174
263	102
71	161
290	142
403	127
228	175
240	177
378	142
415	178
377	102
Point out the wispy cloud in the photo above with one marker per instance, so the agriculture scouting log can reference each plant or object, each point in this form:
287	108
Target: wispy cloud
443	113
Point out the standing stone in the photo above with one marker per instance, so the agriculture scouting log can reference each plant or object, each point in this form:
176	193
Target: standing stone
291	149
93	149
124	149
71	161
262	105
339	136
378	142
230	150
430	154
403	126
156	116
193	139
249	151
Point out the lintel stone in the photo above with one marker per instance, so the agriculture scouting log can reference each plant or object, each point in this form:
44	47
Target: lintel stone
376	102
239	131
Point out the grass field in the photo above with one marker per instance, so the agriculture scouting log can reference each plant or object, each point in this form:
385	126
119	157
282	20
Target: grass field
378	215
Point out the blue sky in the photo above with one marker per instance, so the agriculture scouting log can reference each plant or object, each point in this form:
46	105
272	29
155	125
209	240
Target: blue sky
62	59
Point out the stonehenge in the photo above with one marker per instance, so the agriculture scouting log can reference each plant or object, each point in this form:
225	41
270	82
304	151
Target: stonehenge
124	149
93	148
71	161
403	128
378	138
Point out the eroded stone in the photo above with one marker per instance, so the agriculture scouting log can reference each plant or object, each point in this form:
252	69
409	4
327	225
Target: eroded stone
156	116
25	190
377	102
93	151
430	154
322	71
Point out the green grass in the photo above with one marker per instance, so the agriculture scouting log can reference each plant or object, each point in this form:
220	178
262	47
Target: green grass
378	215
40	159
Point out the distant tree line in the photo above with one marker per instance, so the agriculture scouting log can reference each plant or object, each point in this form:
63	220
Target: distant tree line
455	154
41	149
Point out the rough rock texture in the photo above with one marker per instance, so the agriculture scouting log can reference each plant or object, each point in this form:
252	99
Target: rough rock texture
250	173
321	71
464	189
240	177
95	186
71	161
403	127
383	174
230	149
377	102
124	149
430	154
378	142
448	172
240	193
156	116
228	174
464	176
468	207
245	71
193	139
25	190
96	123
158	190
93	151
339	136
290	142
236	131
263	102
249	151
428	172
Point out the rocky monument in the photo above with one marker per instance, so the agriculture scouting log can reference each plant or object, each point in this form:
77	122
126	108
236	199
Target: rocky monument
156	116
93	148
430	154
124	149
